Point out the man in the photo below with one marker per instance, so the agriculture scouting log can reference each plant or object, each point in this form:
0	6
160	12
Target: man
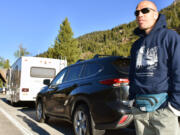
155	74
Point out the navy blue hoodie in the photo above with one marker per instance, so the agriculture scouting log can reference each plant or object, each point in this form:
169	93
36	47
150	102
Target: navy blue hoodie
155	63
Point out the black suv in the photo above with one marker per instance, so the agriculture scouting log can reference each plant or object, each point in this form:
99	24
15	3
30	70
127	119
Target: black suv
91	94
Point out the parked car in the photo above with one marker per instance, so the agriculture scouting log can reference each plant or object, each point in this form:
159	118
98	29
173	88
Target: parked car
91	94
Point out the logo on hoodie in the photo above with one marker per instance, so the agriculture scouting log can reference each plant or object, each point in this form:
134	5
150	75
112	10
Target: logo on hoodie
147	59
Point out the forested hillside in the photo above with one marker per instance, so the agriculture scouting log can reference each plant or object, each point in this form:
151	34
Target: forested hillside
118	40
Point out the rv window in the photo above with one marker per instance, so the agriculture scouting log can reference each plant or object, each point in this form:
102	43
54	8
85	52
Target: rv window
40	72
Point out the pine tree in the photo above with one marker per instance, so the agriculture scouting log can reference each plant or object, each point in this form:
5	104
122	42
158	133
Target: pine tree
65	45
6	64
1	62
21	52
50	52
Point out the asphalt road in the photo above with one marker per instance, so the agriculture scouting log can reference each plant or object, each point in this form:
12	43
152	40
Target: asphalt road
20	120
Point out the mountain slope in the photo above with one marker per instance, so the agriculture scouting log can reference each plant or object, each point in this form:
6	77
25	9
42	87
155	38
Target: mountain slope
118	40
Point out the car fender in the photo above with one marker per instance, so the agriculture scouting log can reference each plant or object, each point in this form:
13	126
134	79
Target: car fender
77	100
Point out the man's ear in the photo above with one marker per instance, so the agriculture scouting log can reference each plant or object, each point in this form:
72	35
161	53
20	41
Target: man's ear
155	16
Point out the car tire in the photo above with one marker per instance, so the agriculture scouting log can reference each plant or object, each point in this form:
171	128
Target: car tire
82	122
40	115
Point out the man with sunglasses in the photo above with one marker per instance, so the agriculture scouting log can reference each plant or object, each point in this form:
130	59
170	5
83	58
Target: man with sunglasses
155	74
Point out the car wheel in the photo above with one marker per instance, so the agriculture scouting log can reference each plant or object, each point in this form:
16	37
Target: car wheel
82	122
40	115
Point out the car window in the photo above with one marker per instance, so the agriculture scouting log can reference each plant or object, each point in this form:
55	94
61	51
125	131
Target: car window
91	69
59	78
74	72
122	65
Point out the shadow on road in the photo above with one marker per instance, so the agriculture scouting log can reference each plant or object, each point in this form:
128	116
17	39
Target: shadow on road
33	126
62	126
123	131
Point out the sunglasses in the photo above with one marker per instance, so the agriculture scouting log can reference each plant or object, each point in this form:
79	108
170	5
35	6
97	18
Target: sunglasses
144	11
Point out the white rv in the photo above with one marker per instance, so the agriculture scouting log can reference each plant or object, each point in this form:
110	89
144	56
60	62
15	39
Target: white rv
26	75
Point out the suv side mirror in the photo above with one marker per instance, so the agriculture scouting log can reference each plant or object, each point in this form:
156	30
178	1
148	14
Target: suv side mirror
46	81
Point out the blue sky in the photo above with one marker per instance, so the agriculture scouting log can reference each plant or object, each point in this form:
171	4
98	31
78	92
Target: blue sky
35	23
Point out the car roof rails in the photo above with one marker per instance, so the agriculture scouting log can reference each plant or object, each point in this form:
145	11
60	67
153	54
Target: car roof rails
80	60
99	55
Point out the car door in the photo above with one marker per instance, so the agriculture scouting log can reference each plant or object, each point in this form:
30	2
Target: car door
51	104
62	95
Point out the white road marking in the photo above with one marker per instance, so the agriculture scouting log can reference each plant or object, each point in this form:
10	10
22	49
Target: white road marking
16	123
